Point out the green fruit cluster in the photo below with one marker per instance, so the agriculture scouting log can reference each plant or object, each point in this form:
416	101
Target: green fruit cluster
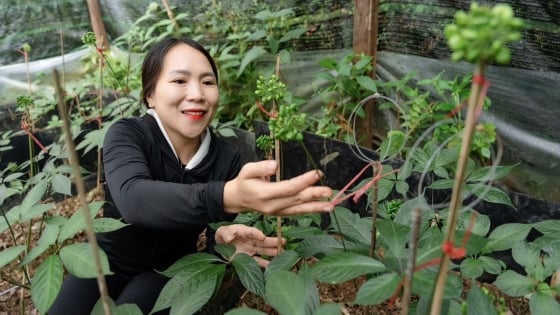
289	124
271	88
481	35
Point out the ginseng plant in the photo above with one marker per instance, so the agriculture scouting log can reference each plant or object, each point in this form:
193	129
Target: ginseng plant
478	36
284	120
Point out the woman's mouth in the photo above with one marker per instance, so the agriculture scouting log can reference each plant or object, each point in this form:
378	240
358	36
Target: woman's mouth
193	114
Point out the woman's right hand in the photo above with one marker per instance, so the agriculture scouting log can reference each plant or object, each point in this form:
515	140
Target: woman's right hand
252	191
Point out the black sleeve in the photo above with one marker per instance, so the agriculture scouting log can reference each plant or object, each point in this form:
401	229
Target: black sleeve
143	201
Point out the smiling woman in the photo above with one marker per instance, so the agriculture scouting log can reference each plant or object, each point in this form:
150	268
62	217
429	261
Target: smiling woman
168	176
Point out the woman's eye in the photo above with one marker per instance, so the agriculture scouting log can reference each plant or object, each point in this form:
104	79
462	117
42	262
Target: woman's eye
179	81
209	82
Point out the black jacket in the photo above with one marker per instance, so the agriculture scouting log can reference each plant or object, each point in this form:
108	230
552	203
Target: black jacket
166	206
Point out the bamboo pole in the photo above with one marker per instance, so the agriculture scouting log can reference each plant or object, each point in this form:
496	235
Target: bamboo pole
97	24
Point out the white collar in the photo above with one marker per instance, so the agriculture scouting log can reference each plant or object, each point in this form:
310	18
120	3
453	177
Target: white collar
200	153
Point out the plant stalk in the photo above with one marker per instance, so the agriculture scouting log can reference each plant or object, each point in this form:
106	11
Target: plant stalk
73	156
277	156
457	194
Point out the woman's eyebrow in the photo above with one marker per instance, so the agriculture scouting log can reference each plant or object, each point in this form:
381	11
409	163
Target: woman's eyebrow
189	73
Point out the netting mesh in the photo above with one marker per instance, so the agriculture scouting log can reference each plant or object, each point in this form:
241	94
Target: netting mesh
416	28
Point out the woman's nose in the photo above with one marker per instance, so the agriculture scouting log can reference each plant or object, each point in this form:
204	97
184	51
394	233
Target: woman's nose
194	92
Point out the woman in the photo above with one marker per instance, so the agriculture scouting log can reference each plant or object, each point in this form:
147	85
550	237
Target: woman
168	176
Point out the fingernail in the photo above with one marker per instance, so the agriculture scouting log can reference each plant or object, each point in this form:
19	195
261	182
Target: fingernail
328	208
319	173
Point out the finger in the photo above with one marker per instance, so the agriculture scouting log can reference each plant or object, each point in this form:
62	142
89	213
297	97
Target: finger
304	208
258	169
294	186
261	261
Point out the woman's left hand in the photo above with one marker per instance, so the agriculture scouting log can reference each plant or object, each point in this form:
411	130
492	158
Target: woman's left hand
249	240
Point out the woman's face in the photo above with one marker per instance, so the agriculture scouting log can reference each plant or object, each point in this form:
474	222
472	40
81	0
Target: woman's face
186	94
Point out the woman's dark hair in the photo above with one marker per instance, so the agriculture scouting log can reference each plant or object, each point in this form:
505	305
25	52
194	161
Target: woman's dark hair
153	62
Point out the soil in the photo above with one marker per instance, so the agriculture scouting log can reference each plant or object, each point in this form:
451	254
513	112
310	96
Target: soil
13	299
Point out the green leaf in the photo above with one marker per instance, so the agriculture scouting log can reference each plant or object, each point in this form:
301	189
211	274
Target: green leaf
191	263
48	238
504	236
34	196
293	34
244	311
78	259
189	290
478	302
488	173
514	284
424	281
490	194
351	225
543	304
328	309
61	184
226	250
394	235
250	273
527	255
548	227
442	184
285	261
253	54
122	309
258	34
367	83
471	268
319	244
491	265
285	292
342	267
7	255
197	292
46	283
378	289
103	225
77	222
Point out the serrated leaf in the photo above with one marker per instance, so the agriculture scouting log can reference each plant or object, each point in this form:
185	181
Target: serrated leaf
191	263
367	83
46	283
285	291
424	282
285	261
244	311
514	284
7	255
254	53
78	259
378	289
328	309
471	268
123	309
196	294
350	225
394	235
490	194
194	287
61	184
77	222
342	267
226	250
293	34
250	273
543	304
478	302
504	236
492	265
34	196
319	244
489	173
103	225
48	238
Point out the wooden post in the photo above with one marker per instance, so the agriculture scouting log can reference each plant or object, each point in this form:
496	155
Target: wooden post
97	24
366	24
